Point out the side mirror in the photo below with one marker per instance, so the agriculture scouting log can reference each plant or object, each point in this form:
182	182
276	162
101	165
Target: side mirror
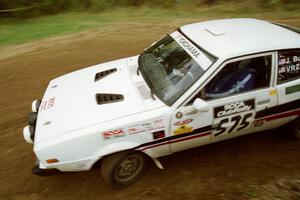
200	105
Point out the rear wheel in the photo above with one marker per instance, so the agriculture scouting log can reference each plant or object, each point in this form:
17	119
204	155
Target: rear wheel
124	168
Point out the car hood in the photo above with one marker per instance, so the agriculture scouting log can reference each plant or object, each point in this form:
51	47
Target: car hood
90	96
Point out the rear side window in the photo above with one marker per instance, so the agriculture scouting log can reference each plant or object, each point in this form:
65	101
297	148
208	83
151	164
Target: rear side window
288	65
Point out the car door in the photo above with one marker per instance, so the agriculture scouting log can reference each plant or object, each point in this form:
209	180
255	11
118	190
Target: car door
238	91
288	86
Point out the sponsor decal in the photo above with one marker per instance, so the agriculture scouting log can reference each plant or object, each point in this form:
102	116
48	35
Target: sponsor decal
233	123
274	113
273	92
113	133
233	108
296	58
188	46
183	122
288	59
289	64
292	89
51	102
159	123
293	68
258	123
47	104
156	125
135	129
192	50
233	117
158	135
183	129
179	115
148	126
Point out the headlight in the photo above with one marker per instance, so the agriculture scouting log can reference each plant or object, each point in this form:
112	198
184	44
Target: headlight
28	134
35	105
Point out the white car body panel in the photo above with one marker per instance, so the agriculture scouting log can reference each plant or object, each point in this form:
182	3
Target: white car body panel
74	104
283	98
72	128
223	37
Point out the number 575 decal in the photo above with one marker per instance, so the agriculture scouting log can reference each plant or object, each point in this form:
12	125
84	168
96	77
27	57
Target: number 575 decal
233	123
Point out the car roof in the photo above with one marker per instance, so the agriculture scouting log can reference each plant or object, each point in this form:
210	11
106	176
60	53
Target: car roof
235	37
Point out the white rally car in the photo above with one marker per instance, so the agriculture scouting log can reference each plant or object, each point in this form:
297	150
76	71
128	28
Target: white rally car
203	83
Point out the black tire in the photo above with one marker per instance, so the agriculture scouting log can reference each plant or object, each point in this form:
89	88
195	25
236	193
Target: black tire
124	168
295	128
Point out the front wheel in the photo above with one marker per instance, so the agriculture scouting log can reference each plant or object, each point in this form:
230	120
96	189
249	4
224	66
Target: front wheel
124	168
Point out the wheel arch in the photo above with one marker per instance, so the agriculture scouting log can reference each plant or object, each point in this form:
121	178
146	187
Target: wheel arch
119	147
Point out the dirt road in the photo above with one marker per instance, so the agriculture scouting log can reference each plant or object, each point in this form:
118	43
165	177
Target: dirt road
263	166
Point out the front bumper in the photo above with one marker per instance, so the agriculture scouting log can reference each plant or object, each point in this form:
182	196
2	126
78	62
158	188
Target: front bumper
44	172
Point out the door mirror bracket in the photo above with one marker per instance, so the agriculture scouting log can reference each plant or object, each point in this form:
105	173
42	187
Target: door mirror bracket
200	105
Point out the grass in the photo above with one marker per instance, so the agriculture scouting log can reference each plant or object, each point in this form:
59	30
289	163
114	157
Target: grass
22	31
39	28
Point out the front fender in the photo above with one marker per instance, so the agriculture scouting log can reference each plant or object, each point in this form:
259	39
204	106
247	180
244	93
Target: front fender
87	163
115	147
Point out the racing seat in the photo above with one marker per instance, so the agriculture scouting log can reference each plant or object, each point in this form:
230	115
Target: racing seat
232	82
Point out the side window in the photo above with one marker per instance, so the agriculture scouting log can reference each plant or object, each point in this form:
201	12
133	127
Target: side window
239	76
288	65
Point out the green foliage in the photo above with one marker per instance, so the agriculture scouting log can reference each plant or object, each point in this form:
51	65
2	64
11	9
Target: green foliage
30	8
107	14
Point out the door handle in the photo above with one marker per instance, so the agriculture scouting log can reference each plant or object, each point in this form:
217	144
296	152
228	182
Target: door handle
265	101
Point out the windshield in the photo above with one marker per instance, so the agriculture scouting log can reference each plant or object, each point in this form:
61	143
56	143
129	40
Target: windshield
171	66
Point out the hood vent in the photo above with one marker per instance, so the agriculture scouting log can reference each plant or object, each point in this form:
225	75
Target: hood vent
109	98
105	73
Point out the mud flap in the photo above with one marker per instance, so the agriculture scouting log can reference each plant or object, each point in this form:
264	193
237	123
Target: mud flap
157	163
